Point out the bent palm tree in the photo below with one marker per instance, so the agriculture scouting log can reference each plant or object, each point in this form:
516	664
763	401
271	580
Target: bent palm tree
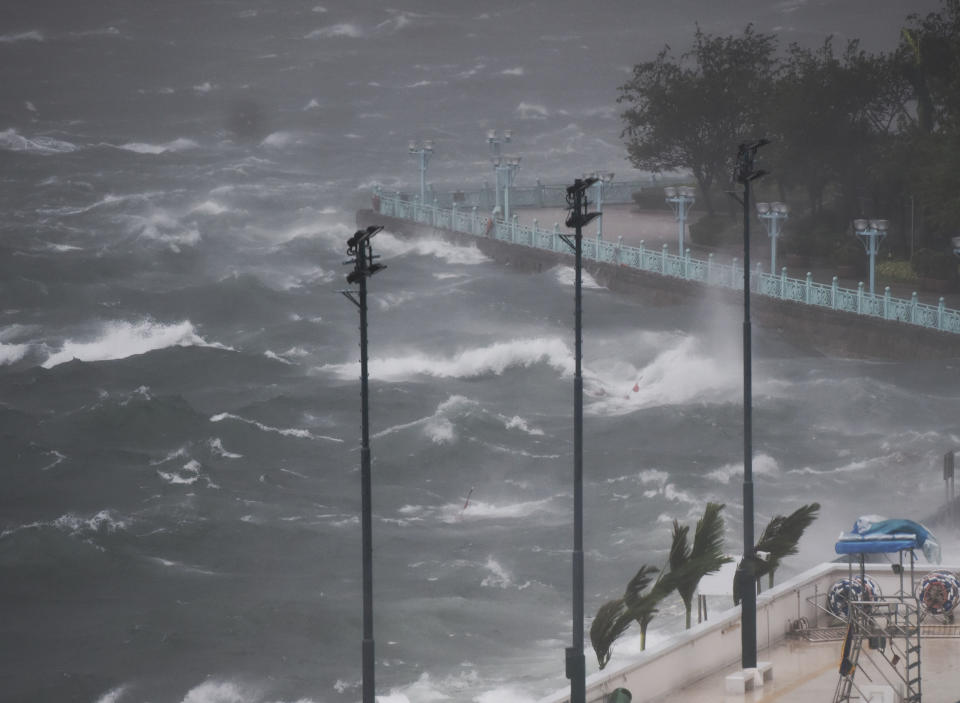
611	621
643	606
689	564
780	538
782	535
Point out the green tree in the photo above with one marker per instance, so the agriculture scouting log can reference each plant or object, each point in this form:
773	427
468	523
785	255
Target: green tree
830	116
686	113
690	563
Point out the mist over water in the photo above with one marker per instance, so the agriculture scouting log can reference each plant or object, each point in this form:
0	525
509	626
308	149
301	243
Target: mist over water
179	518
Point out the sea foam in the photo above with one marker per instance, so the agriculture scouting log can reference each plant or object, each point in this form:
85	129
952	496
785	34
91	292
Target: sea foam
120	339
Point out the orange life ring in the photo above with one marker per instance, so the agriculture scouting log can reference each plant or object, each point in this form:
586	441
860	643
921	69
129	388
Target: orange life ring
489	226
376	203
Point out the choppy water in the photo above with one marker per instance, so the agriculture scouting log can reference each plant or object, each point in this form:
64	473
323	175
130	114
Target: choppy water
179	513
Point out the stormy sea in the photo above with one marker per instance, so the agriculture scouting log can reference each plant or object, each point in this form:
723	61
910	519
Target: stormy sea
179	454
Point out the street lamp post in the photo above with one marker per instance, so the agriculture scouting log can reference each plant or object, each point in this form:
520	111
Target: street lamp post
423	151
496	158
358	246
578	218
773	215
511	164
602	179
745	174
870	233
681	200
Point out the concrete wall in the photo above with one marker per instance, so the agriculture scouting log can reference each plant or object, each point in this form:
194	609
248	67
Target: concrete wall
713	646
818	330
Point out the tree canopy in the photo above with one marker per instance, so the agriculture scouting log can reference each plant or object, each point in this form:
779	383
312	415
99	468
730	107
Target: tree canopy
855	134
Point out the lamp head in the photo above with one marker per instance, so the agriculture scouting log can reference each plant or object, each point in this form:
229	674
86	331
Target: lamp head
763	208
507	135
880	225
687	191
670	191
781	208
413	146
860	225
428	144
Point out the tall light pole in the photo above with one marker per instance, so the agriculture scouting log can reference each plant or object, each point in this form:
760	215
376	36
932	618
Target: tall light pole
510	167
602	179
745	174
423	152
681	199
578	218
773	215
496	158
358	246
870	233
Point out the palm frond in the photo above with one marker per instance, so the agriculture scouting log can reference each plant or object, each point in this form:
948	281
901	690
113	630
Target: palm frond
782	534
611	621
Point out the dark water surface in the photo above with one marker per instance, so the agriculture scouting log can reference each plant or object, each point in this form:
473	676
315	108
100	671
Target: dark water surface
180	411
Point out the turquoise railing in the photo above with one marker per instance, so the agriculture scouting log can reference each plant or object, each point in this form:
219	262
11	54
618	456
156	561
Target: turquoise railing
469	220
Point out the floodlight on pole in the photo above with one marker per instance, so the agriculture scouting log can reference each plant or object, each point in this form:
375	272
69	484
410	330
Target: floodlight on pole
745	174
358	246
423	151
871	232
681	199
577	218
772	215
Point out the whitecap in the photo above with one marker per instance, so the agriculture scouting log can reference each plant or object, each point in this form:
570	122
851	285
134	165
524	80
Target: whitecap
517	422
425	246
344	29
121	339
12	353
286	432
481	510
679	375
204	87
531	111
209	207
762	464
10	140
180	144
113	695
566	276
472	363
32	35
516	71
280	140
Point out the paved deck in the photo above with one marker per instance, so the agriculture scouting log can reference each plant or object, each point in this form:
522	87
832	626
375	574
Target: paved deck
806	672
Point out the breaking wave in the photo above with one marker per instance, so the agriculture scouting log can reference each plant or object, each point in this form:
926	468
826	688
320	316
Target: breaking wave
493	359
119	340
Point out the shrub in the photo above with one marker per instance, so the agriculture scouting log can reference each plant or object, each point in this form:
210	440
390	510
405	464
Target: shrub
929	263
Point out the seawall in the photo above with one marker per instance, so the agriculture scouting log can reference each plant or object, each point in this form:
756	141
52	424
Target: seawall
817	330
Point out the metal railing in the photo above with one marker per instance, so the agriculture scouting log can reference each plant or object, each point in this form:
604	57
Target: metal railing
539	195
469	220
